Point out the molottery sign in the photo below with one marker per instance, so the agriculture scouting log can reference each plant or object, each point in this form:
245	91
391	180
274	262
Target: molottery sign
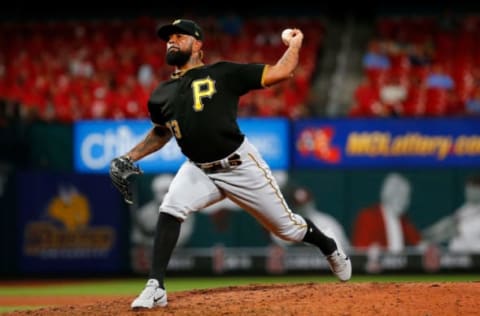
96	143
386	142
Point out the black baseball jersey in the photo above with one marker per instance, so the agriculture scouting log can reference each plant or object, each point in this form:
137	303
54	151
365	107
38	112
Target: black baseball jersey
200	107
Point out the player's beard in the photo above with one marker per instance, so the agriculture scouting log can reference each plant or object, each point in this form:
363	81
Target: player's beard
178	58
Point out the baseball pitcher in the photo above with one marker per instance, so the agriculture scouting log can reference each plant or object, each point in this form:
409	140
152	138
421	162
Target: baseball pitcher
198	106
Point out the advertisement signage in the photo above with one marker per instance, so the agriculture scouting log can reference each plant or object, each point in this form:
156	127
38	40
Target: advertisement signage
67	223
386	143
96	143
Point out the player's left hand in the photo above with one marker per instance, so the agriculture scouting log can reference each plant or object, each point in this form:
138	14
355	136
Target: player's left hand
121	169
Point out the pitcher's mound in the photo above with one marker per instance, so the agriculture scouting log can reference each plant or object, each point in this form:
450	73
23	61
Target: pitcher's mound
309	299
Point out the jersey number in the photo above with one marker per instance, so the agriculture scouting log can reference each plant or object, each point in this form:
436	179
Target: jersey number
202	88
174	128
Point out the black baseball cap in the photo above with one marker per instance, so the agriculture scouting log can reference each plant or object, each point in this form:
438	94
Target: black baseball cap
180	26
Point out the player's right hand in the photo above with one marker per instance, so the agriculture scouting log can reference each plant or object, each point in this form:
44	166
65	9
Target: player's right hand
296	38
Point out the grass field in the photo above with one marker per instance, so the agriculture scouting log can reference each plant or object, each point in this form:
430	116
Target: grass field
134	285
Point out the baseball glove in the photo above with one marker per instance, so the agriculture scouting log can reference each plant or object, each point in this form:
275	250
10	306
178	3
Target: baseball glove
121	169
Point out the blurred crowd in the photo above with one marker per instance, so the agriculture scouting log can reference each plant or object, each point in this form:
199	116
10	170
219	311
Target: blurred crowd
68	70
63	71
421	66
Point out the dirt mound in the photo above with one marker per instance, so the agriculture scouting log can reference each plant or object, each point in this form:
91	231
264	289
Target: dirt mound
404	298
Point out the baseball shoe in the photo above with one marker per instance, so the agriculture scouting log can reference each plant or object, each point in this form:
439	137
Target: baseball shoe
151	296
339	262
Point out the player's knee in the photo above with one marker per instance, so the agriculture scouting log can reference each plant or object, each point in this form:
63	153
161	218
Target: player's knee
284	237
180	216
294	233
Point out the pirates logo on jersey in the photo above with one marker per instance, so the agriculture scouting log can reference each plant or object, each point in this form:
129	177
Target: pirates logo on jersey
202	88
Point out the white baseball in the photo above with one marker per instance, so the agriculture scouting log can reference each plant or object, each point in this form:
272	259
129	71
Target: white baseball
287	36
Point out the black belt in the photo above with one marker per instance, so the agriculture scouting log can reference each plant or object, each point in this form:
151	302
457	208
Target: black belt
220	165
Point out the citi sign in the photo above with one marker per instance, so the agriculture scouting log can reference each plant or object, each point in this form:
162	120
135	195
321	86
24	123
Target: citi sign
97	142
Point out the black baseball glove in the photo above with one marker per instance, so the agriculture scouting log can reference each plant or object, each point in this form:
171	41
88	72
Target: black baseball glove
121	169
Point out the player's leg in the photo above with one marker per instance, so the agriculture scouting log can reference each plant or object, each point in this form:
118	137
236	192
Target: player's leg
253	187
189	191
262	198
